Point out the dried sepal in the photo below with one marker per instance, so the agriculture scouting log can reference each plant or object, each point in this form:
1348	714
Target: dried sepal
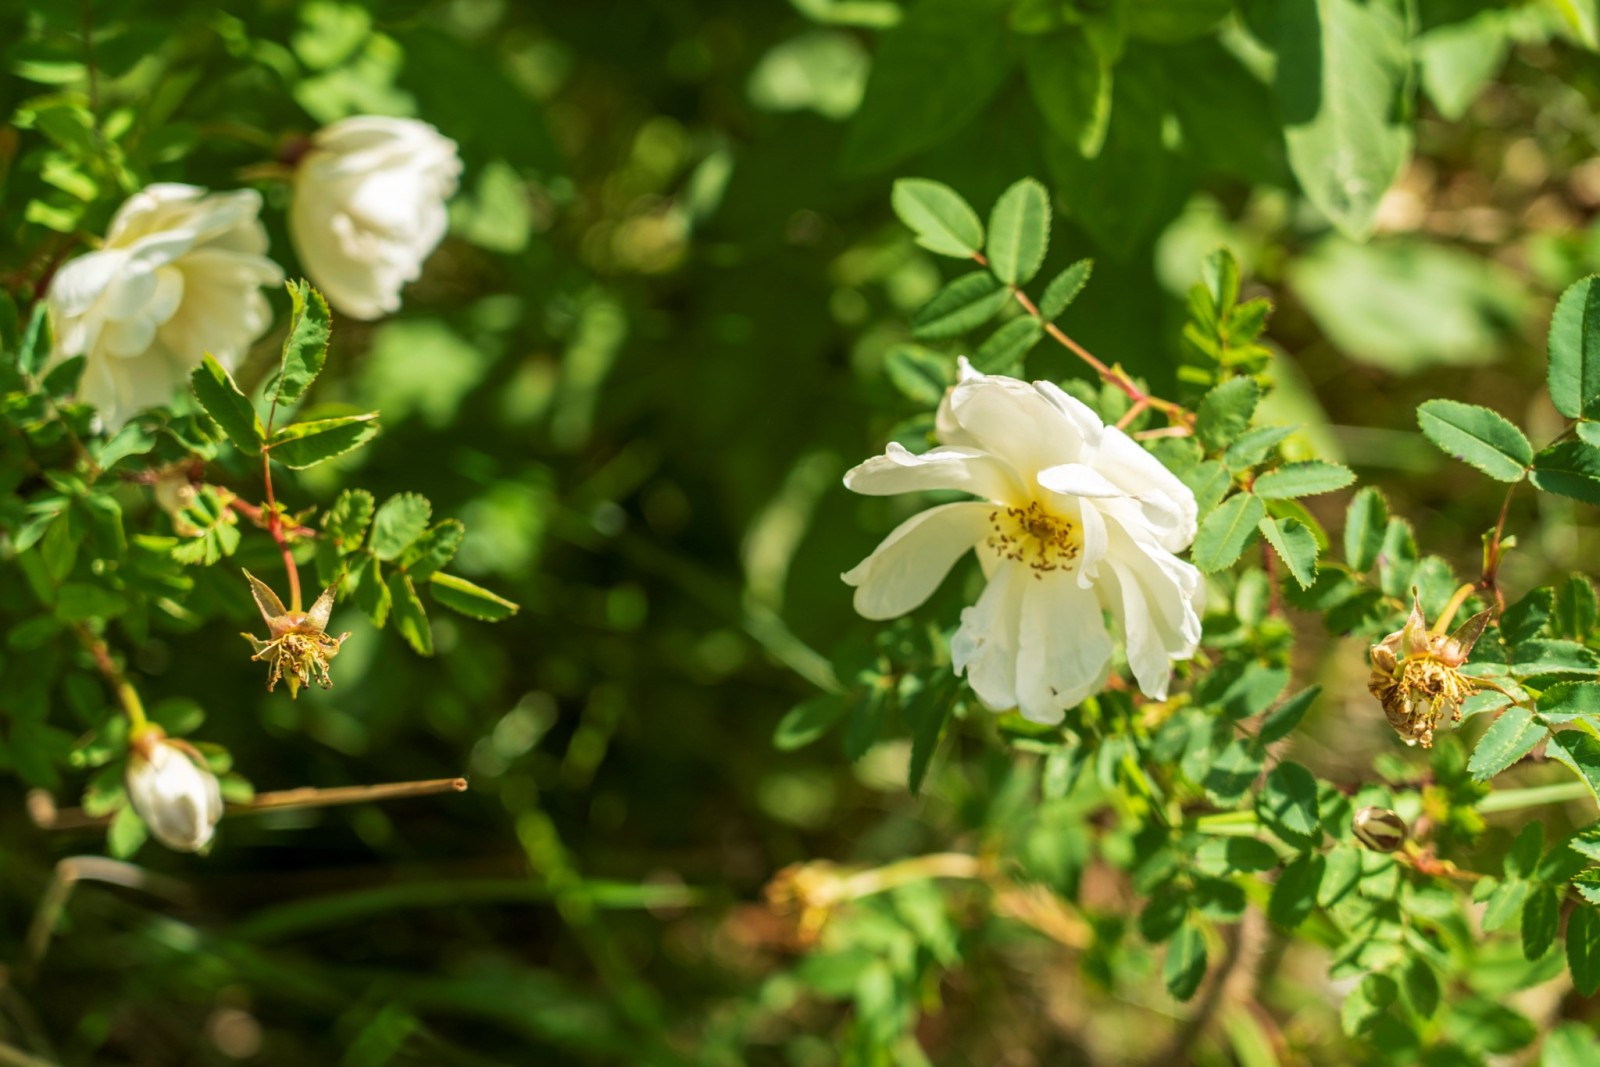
1416	677
297	649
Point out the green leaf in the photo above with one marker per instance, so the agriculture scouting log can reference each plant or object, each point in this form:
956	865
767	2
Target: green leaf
1575	349
1397	561
306	444
965	304
1576	608
1570	1045
1288	805
1064	289
1294	895
1019	232
921	374
807	721
1070	79
1295	545
1477	436
1306	478
306	347
1364	524
1228	531
228	407
371	594
1541	915
1580	751
943	222
1343	68
400	521
433	551
80	601
925	714
1566	701
1186	962
1570	468
462	596
1282	720
127	832
916	97
347	520
1225	411
1583	949
1004	348
1508	739
409	617
1504	904
1234	771
33	349
1253	446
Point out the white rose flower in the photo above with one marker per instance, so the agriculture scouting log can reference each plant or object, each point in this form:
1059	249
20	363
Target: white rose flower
1074	519
173	792
369	206
179	275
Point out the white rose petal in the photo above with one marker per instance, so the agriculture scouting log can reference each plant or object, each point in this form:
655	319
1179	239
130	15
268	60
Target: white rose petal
178	798
179	275
1075	522
369	207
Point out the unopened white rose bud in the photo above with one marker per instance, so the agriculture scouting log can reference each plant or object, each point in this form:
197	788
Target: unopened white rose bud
369	207
172	790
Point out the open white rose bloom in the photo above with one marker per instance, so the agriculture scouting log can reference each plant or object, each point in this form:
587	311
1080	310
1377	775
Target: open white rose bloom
176	796
369	207
1073	521
179	275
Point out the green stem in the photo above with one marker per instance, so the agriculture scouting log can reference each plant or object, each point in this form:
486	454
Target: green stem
126	694
1533	796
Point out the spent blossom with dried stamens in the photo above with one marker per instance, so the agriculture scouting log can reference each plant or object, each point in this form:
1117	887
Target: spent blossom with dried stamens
298	647
1416	674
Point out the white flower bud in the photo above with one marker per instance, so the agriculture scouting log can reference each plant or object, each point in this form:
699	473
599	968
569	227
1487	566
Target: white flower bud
173	792
369	206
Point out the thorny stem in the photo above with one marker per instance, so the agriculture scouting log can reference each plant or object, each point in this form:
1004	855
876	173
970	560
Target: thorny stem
275	520
46	816
125	693
1115	375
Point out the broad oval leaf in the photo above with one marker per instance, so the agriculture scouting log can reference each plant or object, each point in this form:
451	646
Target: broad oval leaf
1478	437
1228	531
1574	349
1186	962
228	406
965	304
1019	232
1295	544
306	444
400	521
941	219
1006	347
1571	468
1509	738
1306	478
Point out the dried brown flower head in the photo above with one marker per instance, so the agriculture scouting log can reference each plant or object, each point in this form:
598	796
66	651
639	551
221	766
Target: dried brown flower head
1416	674
297	647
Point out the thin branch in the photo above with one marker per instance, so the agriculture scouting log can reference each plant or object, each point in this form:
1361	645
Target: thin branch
46	816
126	694
68	873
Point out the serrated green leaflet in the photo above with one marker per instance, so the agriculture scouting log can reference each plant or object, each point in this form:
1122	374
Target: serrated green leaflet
1019	232
410	619
941	219
1570	468
400	521
228	407
965	304
1064	289
1228	531
306	348
1574	349
1225	411
1295	545
1477	436
467	598
306	444
1364	524
1510	737
1306	478
1006	347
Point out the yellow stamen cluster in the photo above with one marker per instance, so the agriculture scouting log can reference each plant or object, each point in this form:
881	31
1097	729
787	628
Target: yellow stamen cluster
1416	676
1034	536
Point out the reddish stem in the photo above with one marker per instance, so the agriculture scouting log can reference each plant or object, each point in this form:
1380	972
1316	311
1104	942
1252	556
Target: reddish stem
1115	375
275	528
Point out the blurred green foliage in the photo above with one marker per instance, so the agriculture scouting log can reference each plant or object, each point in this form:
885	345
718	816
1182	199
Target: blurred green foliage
674	306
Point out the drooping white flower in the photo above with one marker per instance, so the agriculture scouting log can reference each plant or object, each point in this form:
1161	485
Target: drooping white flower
172	790
179	275
369	206
1073	520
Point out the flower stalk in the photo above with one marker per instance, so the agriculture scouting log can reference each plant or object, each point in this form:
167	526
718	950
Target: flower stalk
127	696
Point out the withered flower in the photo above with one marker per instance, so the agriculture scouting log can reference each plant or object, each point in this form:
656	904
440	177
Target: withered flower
1416	674
297	647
